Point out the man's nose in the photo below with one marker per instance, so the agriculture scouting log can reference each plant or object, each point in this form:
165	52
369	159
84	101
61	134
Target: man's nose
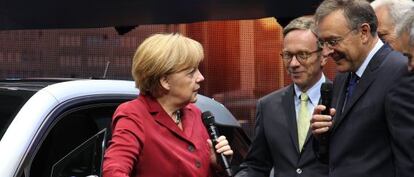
326	51
294	61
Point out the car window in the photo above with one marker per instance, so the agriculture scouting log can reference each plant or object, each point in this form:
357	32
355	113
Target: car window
84	160
11	101
73	145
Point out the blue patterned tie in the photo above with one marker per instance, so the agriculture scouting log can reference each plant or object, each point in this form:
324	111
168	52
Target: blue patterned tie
353	81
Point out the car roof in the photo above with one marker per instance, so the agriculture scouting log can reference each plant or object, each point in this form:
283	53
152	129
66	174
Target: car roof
58	88
31	84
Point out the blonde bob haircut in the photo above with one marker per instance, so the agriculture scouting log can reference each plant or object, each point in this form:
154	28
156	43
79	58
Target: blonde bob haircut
160	55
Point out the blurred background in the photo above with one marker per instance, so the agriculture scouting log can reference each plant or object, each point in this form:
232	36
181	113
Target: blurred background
242	61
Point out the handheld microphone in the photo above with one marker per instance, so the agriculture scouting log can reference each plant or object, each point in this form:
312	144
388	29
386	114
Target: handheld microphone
326	99
210	123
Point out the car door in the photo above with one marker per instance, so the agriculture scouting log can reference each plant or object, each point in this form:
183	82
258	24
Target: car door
72	140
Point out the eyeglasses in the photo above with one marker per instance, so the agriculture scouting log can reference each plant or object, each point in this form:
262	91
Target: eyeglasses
334	41
300	56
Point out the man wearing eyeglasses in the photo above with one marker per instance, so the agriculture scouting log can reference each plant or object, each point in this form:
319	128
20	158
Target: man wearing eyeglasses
366	138
282	139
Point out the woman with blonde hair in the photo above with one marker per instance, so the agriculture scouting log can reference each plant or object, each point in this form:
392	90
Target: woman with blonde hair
161	134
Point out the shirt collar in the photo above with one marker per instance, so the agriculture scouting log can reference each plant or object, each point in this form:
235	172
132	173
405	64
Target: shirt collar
313	93
364	65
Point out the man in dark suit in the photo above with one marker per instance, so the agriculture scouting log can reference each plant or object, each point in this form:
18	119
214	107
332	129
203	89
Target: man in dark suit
366	136
282	139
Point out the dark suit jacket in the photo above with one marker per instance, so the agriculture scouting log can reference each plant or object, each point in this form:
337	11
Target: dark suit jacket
276	143
366	140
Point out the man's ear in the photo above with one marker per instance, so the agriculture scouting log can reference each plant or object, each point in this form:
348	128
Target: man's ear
365	32
164	83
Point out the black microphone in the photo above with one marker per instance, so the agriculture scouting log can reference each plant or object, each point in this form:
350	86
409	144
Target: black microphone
210	123
326	99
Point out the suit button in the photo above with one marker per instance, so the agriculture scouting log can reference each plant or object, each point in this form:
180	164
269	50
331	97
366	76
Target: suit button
191	148
299	171
197	164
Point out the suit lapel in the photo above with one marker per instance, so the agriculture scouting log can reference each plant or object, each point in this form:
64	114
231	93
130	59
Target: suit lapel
368	77
338	101
288	104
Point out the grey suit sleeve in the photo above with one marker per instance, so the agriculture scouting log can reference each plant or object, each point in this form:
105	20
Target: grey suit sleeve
258	162
400	116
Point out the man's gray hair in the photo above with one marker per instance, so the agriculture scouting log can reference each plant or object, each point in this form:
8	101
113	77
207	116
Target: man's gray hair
407	25
300	23
397	9
356	13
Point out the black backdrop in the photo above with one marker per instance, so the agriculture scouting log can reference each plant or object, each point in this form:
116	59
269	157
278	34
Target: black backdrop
125	14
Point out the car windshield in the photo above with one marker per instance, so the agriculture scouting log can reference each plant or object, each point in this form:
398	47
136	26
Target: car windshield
11	100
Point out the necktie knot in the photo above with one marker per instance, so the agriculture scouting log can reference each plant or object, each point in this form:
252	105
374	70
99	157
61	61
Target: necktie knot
353	80
304	97
352	83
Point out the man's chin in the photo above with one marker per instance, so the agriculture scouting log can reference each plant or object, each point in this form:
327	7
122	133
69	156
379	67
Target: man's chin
298	82
296	77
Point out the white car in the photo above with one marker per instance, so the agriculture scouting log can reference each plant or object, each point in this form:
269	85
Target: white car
52	127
